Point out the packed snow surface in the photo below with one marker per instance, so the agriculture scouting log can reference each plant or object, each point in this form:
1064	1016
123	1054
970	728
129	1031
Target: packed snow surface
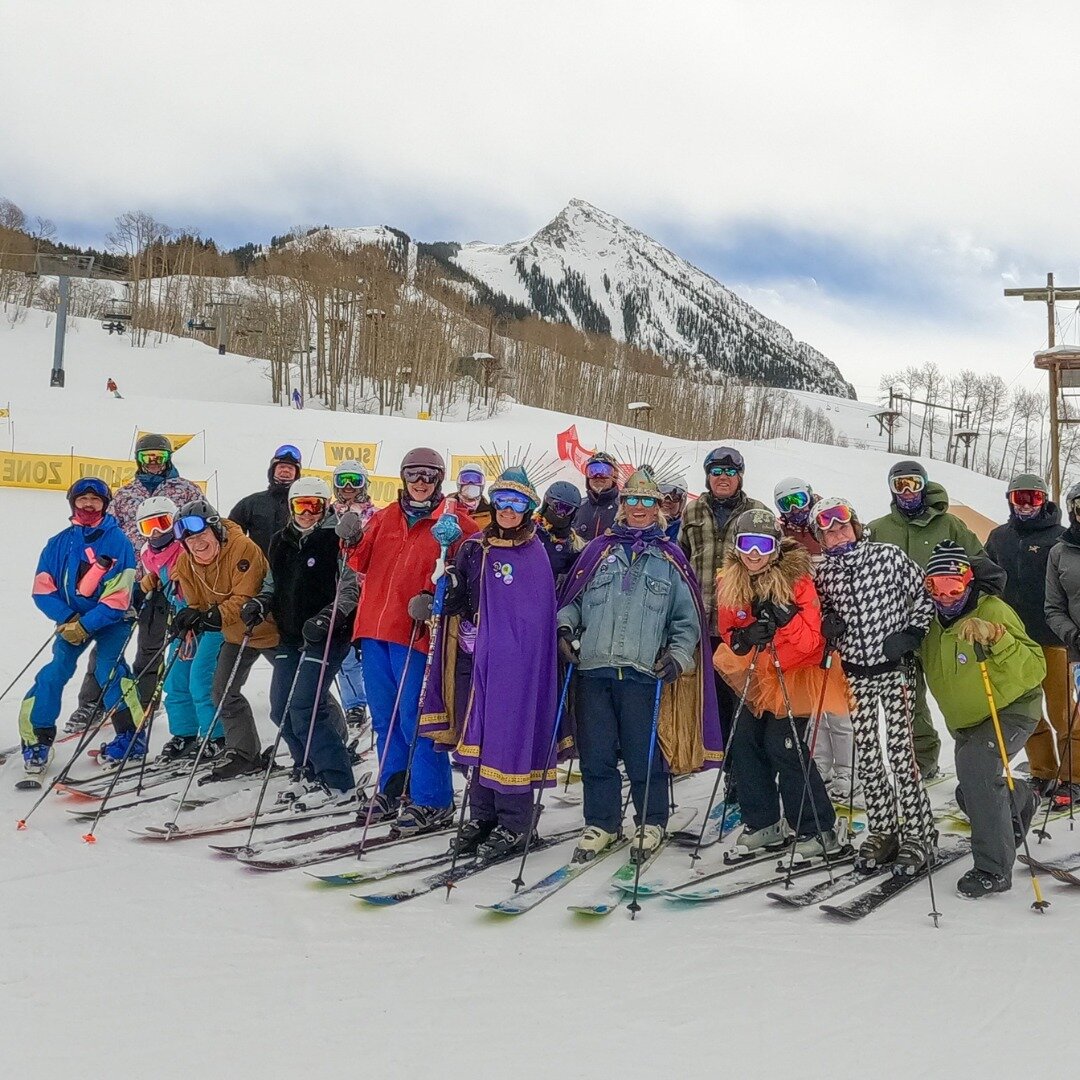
125	959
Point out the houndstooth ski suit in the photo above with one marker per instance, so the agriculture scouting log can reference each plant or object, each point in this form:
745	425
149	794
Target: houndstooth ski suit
877	590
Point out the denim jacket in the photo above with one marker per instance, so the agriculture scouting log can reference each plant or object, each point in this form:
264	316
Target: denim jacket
630	628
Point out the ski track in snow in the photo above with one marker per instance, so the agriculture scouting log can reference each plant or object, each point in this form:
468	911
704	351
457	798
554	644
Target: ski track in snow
131	959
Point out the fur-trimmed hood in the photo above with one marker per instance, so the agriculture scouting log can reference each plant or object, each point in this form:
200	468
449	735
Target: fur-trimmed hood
736	588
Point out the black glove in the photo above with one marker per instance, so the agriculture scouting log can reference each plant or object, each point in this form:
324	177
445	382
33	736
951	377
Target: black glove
349	528
567	643
316	629
667	667
758	634
897	646
186	620
778	614
252	612
211	619
833	627
420	606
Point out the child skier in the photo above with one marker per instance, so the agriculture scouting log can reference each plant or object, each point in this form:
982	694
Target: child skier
84	582
768	609
971	627
876	613
554	527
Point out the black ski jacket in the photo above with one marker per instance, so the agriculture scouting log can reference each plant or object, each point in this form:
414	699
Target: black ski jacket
596	514
263	514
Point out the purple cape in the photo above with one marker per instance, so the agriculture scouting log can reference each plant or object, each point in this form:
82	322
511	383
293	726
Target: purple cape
514	693
595	552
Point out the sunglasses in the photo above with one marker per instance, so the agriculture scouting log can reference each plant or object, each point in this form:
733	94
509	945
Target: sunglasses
510	500
307	504
724	470
832	517
797	500
1032	499
599	468
350	479
907	485
562	509
759	543
640	500
189	526
418	474
471	478
288	451
152	457
949	586
160	523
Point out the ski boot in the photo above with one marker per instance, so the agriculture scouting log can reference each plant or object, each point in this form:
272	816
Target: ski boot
1028	809
913	856
976	884
82	718
413	820
1043	788
1065	795
36	758
357	719
129	745
592	842
231	766
176	749
645	841
877	850
841	791
751	841
215	749
501	843
317	795
293	789
472	835
818	845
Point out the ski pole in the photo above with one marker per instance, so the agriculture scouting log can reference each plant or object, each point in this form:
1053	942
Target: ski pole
725	765
1043	833
389	735
89	734
551	754
803	764
322	671
148	722
1039	904
635	907
159	689
170	826
460	825
44	646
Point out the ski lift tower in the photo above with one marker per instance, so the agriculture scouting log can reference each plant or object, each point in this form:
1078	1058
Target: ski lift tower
641	412
1063	364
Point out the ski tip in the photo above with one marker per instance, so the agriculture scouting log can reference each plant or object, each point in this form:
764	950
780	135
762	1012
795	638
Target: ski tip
376	901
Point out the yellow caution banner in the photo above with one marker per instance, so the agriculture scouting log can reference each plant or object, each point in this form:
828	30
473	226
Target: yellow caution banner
334	453
57	472
177	440
491	464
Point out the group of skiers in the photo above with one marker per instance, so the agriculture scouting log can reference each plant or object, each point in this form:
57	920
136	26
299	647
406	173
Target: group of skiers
502	630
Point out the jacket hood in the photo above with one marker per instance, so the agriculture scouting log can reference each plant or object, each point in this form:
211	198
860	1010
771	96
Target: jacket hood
738	589
1050	518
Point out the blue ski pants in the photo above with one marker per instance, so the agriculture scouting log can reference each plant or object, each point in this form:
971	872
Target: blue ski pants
351	681
188	700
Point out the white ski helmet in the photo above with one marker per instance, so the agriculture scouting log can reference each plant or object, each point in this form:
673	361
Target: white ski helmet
156	506
311	487
792	485
349	467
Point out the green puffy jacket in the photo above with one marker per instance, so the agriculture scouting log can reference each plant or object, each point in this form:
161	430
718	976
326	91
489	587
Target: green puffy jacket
917	537
1015	663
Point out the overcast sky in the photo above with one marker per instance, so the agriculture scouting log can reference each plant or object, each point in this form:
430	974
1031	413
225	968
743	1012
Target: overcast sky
872	174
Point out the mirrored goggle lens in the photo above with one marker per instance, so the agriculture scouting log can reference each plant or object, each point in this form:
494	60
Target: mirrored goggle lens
907	485
749	543
152	457
189	526
419	475
350	479
308	504
723	470
471	477
832	517
640	500
160	523
1028	499
509	500
599	468
797	500
562	509
288	452
948	586
672	492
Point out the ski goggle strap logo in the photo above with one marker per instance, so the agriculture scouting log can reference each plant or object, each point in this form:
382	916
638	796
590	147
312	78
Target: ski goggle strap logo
907	485
510	500
833	517
189	526
152	457
159	523
1028	500
755	543
307	504
796	500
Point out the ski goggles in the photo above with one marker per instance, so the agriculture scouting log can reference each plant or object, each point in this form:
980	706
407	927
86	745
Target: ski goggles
724	470
307	504
756	544
350	479
907	485
672	492
511	500
152	457
596	469
421	474
640	500
797	500
189	526
1028	500
287	453
470	476
949	586
159	523
562	509
832	517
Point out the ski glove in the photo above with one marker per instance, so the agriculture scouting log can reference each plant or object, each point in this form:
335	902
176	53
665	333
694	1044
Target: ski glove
902	643
833	627
316	628
73	632
186	620
667	667
420	606
778	614
211	619
754	636
349	529
252	612
568	645
979	630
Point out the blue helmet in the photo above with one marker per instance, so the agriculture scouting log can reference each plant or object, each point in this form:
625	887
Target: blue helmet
89	485
564	492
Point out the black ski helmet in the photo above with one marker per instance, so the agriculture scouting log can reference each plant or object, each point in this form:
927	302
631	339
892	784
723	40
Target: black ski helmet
198	508
150	441
564	492
908	468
